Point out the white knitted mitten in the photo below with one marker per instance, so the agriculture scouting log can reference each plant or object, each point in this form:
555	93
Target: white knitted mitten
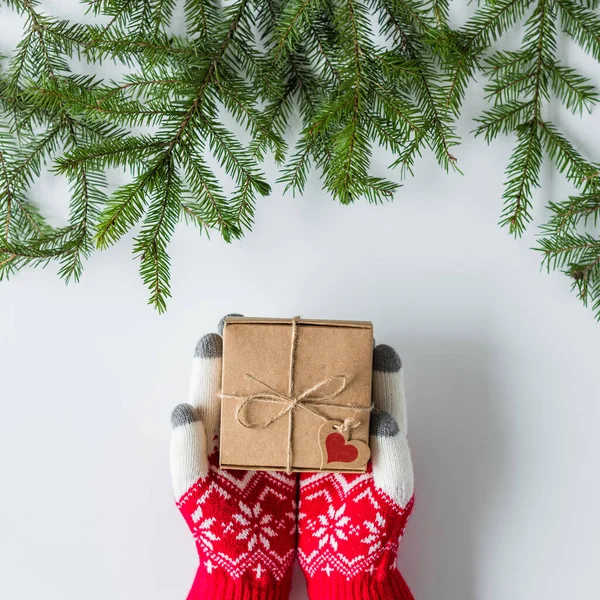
243	522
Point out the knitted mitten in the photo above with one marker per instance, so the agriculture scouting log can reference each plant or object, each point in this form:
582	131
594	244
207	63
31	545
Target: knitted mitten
243	522
350	525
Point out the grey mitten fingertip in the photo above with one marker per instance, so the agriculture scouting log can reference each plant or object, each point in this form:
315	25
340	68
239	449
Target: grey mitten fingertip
209	346
222	321
184	414
383	424
386	359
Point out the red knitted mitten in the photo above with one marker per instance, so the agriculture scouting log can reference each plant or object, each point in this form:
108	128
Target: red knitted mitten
243	522
350	525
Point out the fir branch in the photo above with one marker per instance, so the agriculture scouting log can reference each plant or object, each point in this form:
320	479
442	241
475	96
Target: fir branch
295	19
7	194
574	90
582	24
522	173
430	96
37	150
578	257
209	206
350	147
489	23
157	229
169	152
504	118
569	215
406	23
521	83
567	159
201	16
126	207
263	63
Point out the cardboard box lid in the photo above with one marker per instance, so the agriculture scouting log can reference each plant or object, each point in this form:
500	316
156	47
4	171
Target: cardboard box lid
301	321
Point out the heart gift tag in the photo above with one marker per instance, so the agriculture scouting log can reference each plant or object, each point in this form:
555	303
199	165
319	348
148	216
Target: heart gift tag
338	452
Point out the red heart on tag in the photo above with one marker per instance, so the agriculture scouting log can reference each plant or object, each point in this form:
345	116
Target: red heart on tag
338	450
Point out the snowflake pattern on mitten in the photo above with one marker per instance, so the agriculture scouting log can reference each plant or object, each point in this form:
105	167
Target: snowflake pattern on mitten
243	522
350	525
240	524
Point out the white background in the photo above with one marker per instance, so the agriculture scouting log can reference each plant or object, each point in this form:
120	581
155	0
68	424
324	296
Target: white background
501	368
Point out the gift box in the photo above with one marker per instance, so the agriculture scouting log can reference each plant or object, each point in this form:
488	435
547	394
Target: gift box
296	394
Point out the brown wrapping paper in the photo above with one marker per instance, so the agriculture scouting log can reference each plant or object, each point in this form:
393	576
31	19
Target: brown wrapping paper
332	358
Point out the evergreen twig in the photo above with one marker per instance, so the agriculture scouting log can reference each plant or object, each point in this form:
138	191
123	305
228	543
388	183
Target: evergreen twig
265	62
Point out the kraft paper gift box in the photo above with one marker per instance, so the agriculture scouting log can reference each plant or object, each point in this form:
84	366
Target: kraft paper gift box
296	394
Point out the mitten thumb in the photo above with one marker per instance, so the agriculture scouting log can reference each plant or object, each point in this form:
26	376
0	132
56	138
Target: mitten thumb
392	464
189	455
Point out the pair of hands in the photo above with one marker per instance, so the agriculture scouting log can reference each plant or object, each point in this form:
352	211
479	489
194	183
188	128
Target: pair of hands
249	525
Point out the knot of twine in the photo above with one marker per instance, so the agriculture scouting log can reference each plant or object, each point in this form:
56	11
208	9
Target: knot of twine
308	400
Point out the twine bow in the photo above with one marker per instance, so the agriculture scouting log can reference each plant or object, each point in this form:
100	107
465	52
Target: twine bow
307	400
